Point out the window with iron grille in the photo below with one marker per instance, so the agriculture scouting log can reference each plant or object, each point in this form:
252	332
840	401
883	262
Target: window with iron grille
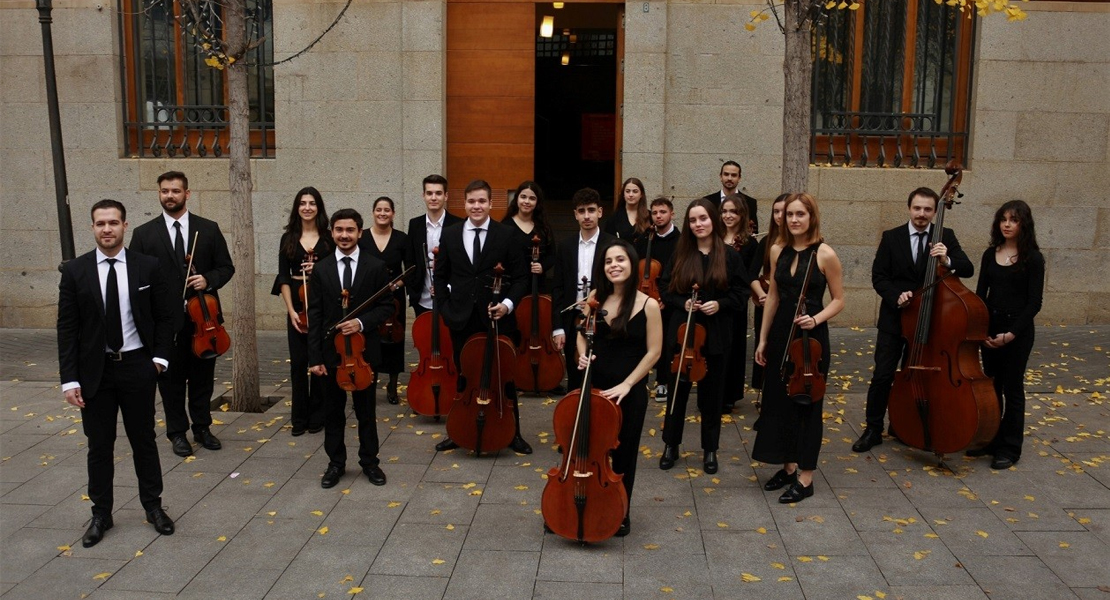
175	104
891	85
582	43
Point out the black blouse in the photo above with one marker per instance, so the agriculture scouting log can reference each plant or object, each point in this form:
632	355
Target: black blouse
617	224
393	256
1012	293
547	248
718	327
289	268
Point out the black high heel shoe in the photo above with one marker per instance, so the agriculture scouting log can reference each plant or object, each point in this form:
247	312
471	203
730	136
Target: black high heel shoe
670	455
780	480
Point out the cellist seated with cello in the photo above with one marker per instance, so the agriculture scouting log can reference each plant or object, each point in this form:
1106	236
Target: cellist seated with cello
360	276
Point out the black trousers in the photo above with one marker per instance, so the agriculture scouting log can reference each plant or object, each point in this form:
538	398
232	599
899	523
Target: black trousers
757	369
633	408
889	351
191	376
736	363
308	390
126	387
710	390
1007	366
335	423
458	340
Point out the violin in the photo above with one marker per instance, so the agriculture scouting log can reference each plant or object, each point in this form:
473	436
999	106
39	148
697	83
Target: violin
689	363
302	292
436	372
941	400
805	383
391	331
482	419
210	339
584	500
539	366
650	269
354	373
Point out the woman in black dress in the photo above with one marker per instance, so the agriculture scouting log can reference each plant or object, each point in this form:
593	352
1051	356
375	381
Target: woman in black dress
627	341
790	433
384	242
305	240
734	215
760	268
1011	283
631	216
526	213
701	257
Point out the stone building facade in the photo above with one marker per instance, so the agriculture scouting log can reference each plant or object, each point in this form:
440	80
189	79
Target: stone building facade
364	114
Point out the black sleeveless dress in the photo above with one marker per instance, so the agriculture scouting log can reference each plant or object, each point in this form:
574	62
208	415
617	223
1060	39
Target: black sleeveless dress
788	432
616	358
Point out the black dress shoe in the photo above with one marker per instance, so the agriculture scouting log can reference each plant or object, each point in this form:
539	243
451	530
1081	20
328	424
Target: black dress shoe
96	530
1002	462
375	474
976	453
780	480
331	477
447	444
315	428
710	462
670	455
796	493
298	430
162	522
727	409
519	445
205	438
181	446
392	398
625	529
867	441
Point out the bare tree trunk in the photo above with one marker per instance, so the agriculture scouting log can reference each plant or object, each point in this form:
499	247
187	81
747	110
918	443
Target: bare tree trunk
798	98
244	368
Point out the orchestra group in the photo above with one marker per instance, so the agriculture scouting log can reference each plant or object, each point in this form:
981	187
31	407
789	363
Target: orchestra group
502	308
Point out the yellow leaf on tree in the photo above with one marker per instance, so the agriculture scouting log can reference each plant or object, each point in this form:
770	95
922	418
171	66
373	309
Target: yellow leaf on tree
830	4
749	27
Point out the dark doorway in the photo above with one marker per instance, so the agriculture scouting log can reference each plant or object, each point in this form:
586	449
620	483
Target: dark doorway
576	100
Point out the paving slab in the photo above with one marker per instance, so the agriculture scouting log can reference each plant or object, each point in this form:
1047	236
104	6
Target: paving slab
483	574
512	527
1016	578
421	549
166	565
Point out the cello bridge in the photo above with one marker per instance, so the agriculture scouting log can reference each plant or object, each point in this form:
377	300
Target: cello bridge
482	401
583	475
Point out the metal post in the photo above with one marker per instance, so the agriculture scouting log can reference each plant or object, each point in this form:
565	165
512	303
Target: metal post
61	186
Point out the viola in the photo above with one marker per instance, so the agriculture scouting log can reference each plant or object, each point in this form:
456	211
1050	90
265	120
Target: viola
302	292
210	339
650	269
353	373
584	500
805	383
689	363
436	372
539	366
482	418
941	400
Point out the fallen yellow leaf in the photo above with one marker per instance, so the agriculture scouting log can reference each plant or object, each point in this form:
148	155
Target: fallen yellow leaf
101	576
749	578
323	530
982	533
761	530
138	553
651	546
222	538
438	561
354	590
318	513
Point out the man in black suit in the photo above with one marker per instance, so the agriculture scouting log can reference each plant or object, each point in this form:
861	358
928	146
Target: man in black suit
899	268
170	237
423	237
574	259
362	276
115	330
468	253
730	184
662	248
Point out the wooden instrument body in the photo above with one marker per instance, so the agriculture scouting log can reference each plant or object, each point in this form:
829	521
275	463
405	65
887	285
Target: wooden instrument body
210	339
806	379
690	362
538	365
390	331
432	385
482	418
353	373
648	282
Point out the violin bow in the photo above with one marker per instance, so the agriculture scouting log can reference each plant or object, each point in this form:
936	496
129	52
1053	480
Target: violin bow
189	268
389	287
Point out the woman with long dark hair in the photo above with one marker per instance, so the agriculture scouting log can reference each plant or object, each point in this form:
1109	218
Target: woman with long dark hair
734	215
790	431
1011	283
627	343
701	257
384	242
305	240
528	216
631	216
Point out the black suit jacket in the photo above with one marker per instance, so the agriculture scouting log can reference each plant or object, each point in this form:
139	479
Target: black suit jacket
470	283
414	253
715	198
893	272
325	307
567	279
210	256
81	327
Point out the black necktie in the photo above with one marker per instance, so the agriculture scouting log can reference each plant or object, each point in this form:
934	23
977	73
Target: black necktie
112	321
347	272
178	243
921	248
477	244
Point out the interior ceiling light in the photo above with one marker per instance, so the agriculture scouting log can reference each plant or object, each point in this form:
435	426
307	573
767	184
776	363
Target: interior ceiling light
547	27
557	5
566	59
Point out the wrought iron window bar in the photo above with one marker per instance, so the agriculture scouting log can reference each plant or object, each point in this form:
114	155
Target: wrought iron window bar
864	139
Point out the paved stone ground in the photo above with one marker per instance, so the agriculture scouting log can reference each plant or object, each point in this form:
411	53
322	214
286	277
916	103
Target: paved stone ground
252	521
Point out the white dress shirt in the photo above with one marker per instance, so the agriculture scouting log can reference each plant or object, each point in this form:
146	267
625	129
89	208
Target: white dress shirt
469	231
587	250
913	243
340	266
433	230
184	220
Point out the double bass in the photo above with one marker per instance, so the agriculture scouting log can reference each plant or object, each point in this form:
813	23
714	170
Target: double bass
539	366
800	371
650	269
432	384
482	418
584	500
210	339
689	362
941	400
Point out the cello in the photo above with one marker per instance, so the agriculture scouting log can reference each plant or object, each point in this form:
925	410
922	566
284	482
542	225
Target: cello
649	271
210	339
689	362
584	500
436	373
941	400
482	419
539	366
805	383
